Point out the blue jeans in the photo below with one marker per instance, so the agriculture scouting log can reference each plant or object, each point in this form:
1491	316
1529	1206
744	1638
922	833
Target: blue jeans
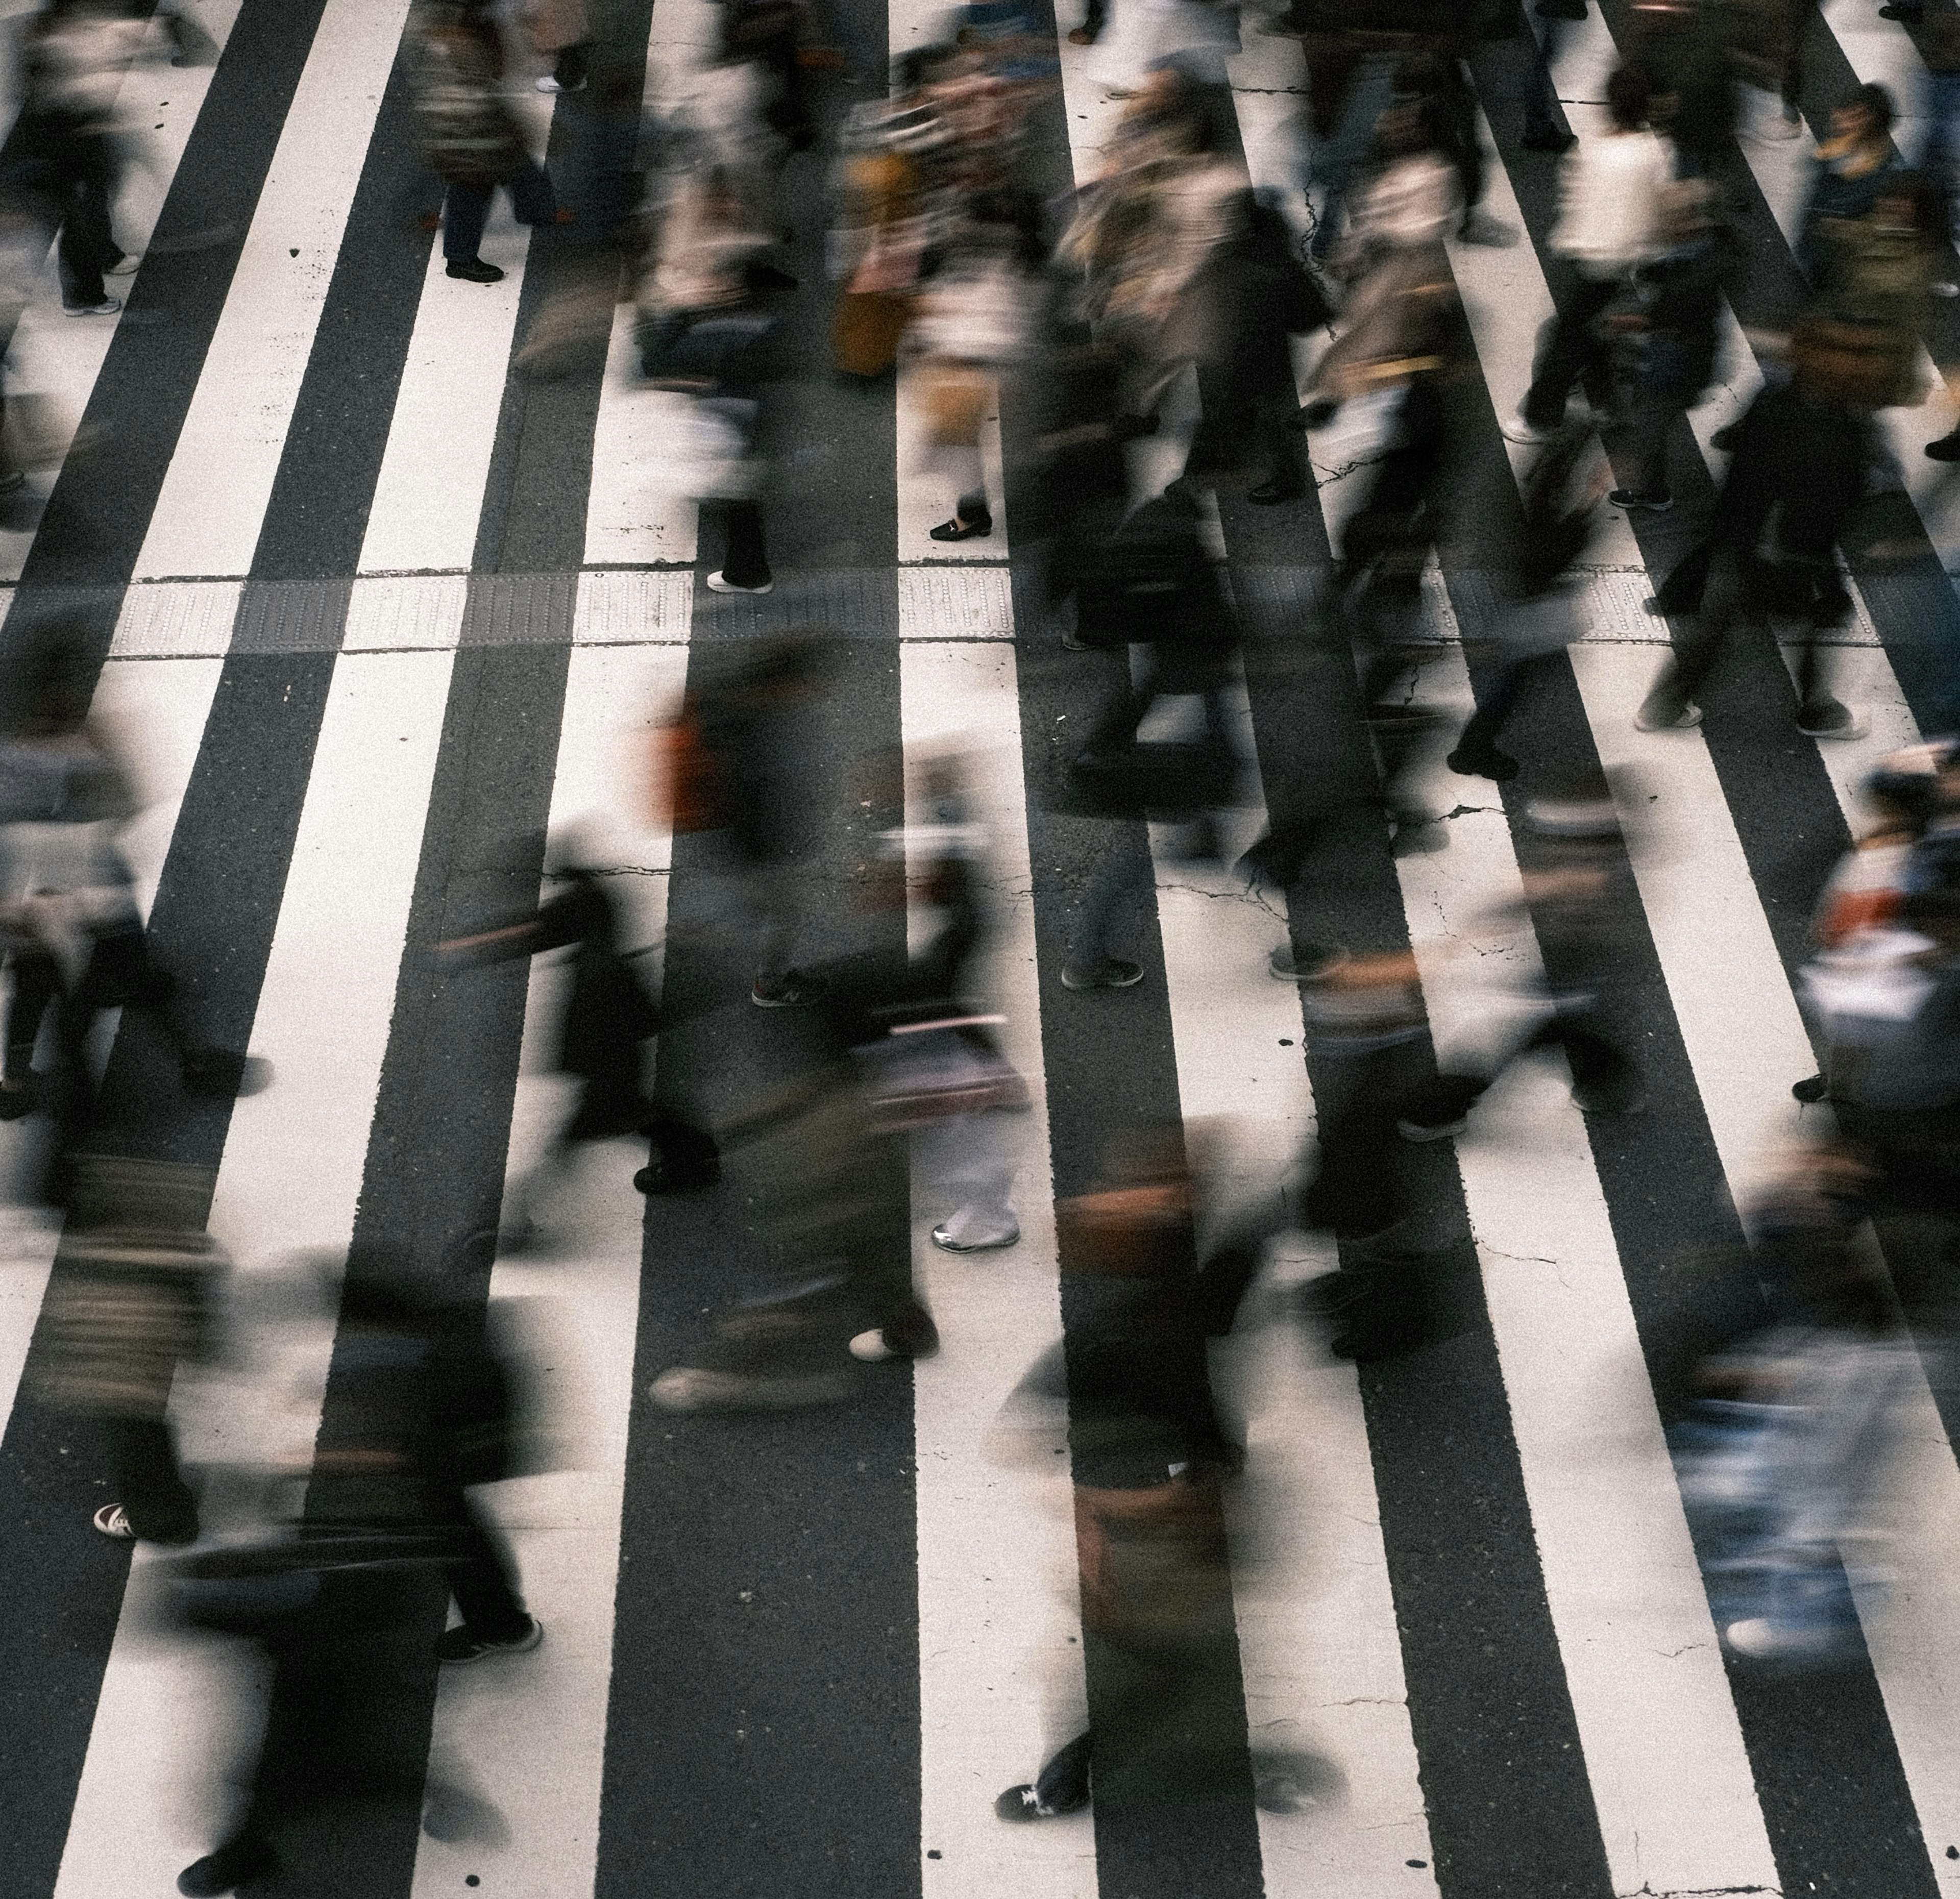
1942	112
465	207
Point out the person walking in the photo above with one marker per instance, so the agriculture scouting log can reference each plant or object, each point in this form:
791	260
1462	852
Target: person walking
467	133
63	169
1609	223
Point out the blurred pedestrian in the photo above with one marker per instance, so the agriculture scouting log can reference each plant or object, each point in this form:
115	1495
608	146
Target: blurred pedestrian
1851	170
1611	220
63	166
466	131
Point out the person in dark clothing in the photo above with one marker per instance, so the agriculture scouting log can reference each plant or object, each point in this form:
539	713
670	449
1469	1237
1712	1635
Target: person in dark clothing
1854	170
1151	584
1263	295
466	131
1369	1031
1536	620
1673	335
608	1018
1796	464
62	168
1150	1459
1573	869
343	1603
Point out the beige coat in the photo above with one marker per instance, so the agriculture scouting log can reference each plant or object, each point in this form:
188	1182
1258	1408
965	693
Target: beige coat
550	24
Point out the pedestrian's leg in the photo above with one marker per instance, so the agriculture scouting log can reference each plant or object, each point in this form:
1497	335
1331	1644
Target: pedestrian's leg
745	563
1569	351
37	981
965	1160
1643	447
483	1579
1062	1784
1697	652
1125	873
148	1482
570	68
79	254
464	209
532	198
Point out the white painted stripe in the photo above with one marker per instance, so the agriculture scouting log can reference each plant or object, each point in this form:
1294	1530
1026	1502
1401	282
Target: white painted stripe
414	613
529	1737
1664	1754
429	494
633	608
208	516
999	1655
192	620
631	514
172	1715
1318	1648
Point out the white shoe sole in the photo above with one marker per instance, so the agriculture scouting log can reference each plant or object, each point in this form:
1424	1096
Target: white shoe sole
1856	729
716	584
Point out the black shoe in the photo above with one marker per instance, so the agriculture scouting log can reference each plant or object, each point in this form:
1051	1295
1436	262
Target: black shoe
663	1177
1023	1803
763	277
1560	9
219	1074
1498	767
474	270
1724	439
459	1645
1272	494
1551	139
1946	449
1628	498
227	1869
18	1096
1811	1088
1905	16
956	529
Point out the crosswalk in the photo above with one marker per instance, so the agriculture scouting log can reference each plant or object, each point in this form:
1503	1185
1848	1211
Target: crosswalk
370	606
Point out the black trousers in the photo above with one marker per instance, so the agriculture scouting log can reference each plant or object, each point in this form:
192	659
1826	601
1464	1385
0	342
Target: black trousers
149	1484
1572	351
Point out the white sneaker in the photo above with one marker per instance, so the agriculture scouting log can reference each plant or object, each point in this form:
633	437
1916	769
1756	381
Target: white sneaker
716	584
548	84
128	267
108	306
1522	431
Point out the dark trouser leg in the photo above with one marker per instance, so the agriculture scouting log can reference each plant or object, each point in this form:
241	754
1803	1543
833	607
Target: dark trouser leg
1062	1784
569	68
1544	117
531	199
1643	456
1571	351
464	209
747	562
1699	651
1126	872
1499	700
681	1148
1466	151
483	1581
37	981
1598	1063
84	243
148	1482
